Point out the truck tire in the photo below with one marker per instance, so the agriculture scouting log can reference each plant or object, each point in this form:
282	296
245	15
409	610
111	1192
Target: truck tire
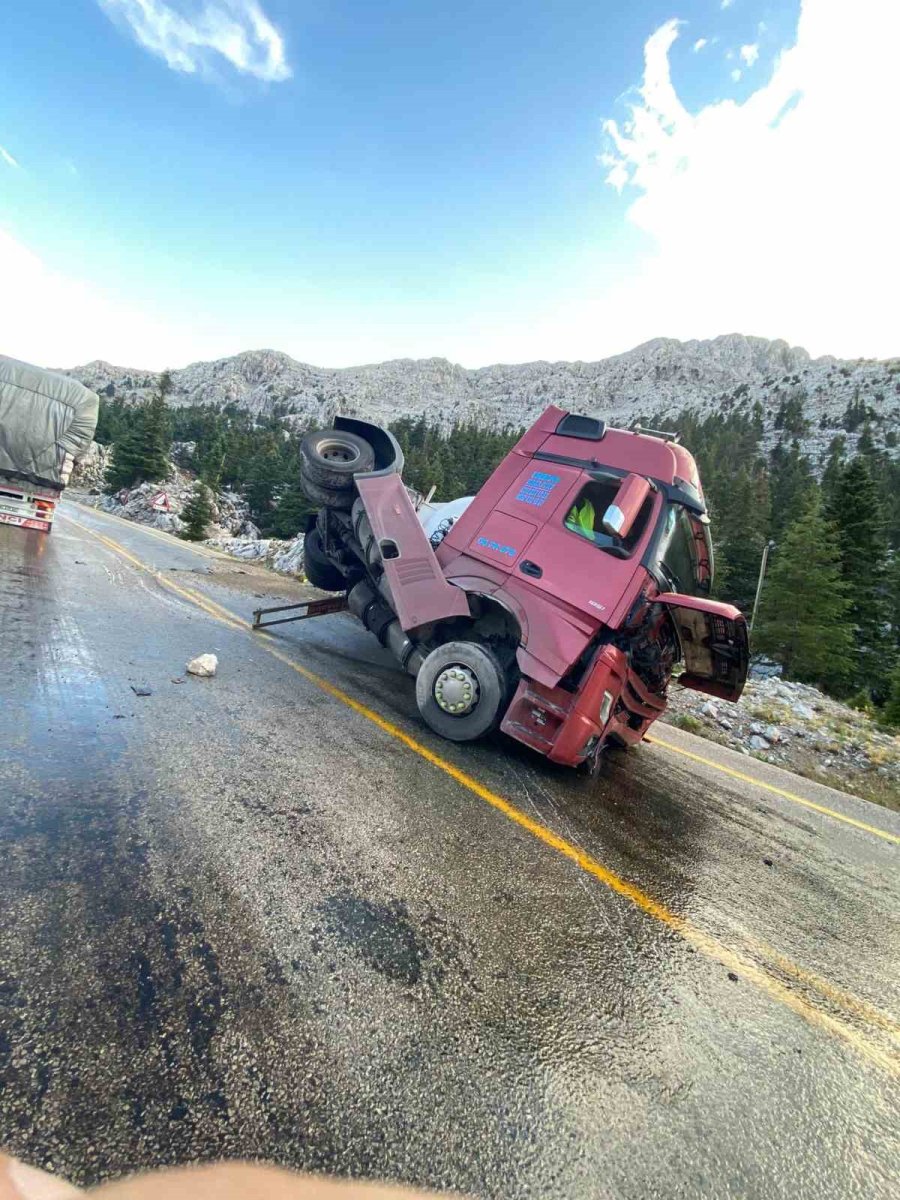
320	570
330	458
326	497
461	691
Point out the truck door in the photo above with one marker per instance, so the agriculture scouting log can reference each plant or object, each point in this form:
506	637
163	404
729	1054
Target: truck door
714	644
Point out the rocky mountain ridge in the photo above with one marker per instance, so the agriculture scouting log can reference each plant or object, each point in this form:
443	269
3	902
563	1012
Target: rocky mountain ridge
661	375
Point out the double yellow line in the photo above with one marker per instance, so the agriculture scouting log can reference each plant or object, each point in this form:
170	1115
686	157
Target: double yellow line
777	791
817	1001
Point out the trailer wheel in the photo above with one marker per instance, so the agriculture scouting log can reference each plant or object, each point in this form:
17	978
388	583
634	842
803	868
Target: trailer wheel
461	690
330	458
326	497
320	570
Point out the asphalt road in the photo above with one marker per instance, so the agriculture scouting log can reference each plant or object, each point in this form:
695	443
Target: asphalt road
270	915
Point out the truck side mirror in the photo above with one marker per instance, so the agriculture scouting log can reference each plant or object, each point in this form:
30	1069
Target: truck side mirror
622	513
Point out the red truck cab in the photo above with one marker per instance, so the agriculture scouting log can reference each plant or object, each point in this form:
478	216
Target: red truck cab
604	618
559	603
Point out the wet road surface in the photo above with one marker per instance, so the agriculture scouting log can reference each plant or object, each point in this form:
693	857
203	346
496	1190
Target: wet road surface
239	917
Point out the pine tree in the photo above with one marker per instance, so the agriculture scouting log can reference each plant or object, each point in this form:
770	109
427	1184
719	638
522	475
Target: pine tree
890	714
803	615
792	485
741	527
855	413
893	600
197	513
833	464
143	453
292	508
857	514
262	476
211	460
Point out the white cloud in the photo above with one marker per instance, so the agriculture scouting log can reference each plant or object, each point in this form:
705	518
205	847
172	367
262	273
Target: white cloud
700	43
750	54
8	158
189	37
49	318
776	215
736	74
726	4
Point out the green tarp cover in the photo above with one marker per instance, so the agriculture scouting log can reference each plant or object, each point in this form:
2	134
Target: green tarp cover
43	417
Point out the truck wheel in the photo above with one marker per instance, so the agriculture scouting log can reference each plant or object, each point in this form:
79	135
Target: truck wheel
326	497
330	458
320	570
461	691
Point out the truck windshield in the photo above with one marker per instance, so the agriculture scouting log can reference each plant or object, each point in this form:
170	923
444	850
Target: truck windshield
586	515
684	556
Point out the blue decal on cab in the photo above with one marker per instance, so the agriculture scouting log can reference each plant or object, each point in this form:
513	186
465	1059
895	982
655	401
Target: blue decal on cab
537	488
490	544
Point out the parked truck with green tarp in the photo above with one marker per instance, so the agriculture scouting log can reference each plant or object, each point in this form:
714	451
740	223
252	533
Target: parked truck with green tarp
47	421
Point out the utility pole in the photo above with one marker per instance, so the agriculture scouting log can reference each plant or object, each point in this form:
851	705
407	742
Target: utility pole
759	583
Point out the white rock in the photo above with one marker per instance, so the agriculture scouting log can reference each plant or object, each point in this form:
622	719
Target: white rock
204	665
289	561
758	743
710	710
799	709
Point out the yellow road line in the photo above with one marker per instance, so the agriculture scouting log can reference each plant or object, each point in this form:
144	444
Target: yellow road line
837	995
769	787
705	943
168	539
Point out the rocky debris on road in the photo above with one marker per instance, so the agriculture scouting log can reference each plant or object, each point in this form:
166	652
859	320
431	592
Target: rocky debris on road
289	560
286	557
798	727
204	665
161	503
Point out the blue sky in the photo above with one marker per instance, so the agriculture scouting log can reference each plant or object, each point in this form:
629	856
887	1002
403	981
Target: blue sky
352	181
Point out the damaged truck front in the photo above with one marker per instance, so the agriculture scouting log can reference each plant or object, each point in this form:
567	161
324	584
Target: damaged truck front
47	421
555	604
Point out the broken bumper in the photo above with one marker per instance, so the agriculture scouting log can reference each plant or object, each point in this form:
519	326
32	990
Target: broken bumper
611	704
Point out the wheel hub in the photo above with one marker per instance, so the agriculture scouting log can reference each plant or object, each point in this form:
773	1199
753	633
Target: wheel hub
338	452
456	690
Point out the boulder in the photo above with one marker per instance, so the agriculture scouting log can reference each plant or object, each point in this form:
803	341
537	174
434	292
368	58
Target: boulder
758	743
204	665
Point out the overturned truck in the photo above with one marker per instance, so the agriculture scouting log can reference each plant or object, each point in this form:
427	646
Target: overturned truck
553	605
47	421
